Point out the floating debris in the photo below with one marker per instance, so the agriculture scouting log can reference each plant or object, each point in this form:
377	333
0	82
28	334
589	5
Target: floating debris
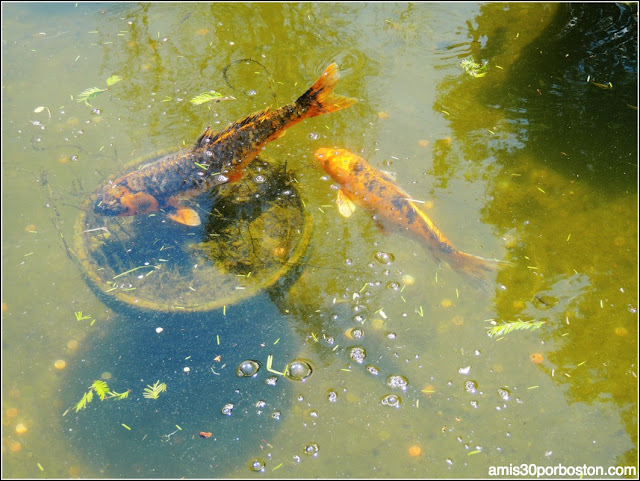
152	392
474	69
415	451
536	358
205	97
518	325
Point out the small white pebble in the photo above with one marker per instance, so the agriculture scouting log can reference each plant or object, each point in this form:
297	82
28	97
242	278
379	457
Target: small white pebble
187	369
159	330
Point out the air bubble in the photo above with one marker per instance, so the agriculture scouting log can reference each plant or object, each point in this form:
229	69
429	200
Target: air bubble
257	465
392	400
471	387
311	449
298	370
504	394
248	368
384	257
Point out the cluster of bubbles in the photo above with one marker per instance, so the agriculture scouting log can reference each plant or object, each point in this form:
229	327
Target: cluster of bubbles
311	449
358	354
398	382
296	370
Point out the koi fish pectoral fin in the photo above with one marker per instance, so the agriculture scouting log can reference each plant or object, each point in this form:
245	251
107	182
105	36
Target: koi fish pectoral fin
185	215
346	207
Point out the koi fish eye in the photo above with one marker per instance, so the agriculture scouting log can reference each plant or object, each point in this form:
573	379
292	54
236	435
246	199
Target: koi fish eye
108	203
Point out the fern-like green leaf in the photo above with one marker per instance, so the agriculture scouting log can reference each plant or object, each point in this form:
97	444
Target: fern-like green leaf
89	94
208	97
152	392
86	399
507	327
118	396
101	388
114	79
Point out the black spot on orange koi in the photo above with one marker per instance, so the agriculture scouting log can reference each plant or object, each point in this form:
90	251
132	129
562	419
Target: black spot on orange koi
392	205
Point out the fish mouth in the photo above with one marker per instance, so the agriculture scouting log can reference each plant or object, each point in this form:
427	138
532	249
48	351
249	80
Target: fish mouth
101	207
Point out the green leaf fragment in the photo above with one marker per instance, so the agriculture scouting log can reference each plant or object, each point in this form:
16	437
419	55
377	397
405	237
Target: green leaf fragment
205	97
152	392
518	325
89	94
114	79
101	389
474	69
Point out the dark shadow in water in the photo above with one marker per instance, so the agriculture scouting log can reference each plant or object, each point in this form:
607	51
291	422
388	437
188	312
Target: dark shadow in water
211	346
567	129
195	354
572	94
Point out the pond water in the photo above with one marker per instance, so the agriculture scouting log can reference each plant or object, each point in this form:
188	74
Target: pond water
531	159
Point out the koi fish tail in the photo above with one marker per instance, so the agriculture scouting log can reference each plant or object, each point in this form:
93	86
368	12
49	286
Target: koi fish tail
477	270
320	99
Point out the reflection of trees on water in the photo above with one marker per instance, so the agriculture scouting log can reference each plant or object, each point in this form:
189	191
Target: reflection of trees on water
169	54
553	82
568	157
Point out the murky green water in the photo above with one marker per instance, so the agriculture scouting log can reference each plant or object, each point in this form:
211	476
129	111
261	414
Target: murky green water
531	163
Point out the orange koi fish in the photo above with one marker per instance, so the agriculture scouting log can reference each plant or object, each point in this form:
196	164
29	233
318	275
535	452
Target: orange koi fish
216	158
373	190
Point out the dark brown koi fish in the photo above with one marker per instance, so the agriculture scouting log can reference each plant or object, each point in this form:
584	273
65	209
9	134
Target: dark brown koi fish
373	190
216	158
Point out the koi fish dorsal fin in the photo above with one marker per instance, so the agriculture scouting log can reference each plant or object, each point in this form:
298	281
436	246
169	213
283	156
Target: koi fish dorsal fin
205	137
186	216
346	207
